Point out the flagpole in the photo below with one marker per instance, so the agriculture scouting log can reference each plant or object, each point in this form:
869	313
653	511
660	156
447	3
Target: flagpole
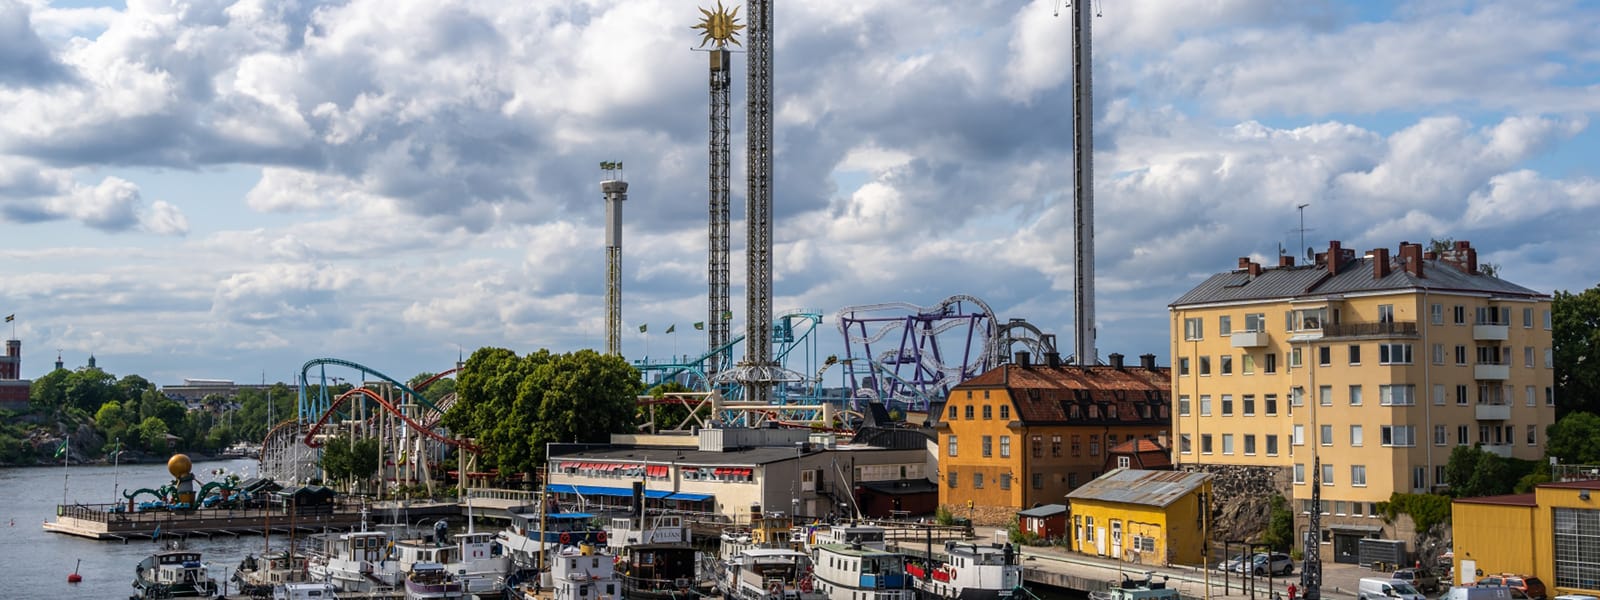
66	455
116	459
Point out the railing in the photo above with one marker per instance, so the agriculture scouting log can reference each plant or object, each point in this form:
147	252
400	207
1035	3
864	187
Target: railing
1575	472
519	496
1392	328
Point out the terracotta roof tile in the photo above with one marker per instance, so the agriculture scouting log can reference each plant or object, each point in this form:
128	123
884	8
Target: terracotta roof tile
1075	394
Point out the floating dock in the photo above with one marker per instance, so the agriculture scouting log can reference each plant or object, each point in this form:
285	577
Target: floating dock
106	522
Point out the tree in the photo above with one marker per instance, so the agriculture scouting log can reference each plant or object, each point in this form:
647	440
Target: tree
1280	528
336	465
1576	335
1575	438
153	434
109	420
1473	472
365	459
87	389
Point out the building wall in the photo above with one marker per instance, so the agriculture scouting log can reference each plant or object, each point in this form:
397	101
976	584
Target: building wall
1499	538
1176	529
1387	468
1545	552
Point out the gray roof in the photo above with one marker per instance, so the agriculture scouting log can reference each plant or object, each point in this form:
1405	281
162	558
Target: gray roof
1135	486
691	457
1354	276
1047	510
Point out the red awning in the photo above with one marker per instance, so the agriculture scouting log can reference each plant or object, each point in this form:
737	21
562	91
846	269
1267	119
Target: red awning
745	472
719	471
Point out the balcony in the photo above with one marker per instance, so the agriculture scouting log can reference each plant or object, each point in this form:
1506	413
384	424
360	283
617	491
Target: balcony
1490	333
1249	339
1493	412
1491	372
1500	450
1391	329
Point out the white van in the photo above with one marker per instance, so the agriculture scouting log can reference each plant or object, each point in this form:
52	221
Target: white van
1486	592
1385	589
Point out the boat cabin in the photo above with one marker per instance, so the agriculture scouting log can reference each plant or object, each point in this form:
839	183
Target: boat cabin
844	569
370	546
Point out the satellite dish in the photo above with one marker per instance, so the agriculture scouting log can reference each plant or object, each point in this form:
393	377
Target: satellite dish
1311	253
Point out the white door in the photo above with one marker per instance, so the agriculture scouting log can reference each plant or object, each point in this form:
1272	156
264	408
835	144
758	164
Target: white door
1100	540
1116	538
1469	572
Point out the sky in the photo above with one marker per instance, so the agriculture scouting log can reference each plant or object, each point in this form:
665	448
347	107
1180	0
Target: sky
228	189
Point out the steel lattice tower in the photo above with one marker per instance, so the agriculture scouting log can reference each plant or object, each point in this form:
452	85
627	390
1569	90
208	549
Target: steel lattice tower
616	191
1083	184
1311	565
758	372
718	309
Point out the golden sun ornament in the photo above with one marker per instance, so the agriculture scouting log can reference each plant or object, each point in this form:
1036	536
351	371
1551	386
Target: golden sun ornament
719	28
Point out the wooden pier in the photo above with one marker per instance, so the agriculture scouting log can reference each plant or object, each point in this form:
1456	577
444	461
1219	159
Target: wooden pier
103	522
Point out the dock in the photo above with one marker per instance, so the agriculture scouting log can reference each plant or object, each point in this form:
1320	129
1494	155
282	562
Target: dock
104	522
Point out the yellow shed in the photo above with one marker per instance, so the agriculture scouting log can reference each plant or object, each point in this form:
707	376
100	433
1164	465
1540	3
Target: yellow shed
1145	517
1553	534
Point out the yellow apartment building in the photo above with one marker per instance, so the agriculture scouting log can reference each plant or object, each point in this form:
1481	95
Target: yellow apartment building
1372	366
1025	434
1144	517
1552	533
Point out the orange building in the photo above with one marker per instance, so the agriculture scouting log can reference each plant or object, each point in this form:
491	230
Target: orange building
1025	434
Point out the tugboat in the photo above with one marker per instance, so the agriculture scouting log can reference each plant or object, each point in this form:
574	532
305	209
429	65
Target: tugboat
430	580
577	573
1129	589
173	573
768	573
854	571
970	572
473	559
359	561
259	576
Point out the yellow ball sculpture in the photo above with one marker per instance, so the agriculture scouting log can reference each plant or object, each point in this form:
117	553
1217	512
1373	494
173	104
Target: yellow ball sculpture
179	465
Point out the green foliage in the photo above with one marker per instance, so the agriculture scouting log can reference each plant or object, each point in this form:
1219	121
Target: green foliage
514	406
1018	536
942	516
435	391
1473	472
1575	324
1575	439
666	415
1426	510
336	459
1280	526
153	435
1529	481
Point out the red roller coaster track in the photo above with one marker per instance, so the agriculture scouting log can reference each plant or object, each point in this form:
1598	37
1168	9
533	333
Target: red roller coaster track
311	435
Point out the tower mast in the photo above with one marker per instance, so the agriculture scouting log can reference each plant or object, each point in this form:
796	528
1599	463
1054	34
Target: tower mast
1083	184
616	192
759	373
720	28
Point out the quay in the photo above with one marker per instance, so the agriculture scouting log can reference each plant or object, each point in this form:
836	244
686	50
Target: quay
107	523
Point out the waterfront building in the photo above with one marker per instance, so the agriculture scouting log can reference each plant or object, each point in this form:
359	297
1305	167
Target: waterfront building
1144	517
1047	522
1552	533
14	389
1374	367
1025	434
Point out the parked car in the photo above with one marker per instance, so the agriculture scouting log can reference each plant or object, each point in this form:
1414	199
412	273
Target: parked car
1422	579
1484	593
1263	564
1532	586
1373	588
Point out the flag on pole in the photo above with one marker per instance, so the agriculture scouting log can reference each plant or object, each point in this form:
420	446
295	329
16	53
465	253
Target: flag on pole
62	449
671	328
643	328
699	325
727	315
11	317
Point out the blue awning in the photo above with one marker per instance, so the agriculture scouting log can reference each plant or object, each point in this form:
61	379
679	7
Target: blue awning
595	490
689	497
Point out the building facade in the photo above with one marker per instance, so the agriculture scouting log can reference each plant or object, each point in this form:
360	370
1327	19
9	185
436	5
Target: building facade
14	389
1362	373
1024	435
1552	533
1145	517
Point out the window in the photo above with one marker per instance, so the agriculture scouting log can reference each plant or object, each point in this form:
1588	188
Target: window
1094	445
1325	395
1271	365
1355	508
1255	322
1055	446
1183	366
954	412
1549	359
1527	356
1184	442
1438	394
1250	444
1355	395
1438	354
1205	405
1437	312
1532	395
1461	435
1419	479
1297	396
1461	395
1397	395
977	481
1183	406
1226	364
1527	318
1077	445
1547	320
1358	477
1438	475
1355	354
1327	435
1272	403
1124	462
988	446
1250	402
969	412
1394	354
1324	355
1385	313
1309	319
1533	435
1038	481
1005	412
1227	405
1037	442
1460	314
1549	396
1205	443
1294	358
1247	364
988	412
1440	437
1461	355
1005	481
1005	446
953	445
1272	445
1327	474
1227	443
1224	325
1299	474
1400	435
1194	328
1299	438
1355	435
953	477
1205	365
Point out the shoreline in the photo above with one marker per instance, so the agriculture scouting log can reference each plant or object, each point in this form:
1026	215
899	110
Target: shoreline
193	458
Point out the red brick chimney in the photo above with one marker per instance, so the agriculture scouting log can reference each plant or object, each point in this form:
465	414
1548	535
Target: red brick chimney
1333	257
1380	263
1411	258
1285	261
1255	269
1244	263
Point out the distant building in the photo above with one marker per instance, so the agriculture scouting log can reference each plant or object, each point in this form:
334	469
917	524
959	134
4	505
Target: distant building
195	390
14	389
1047	522
1144	454
1552	533
1145	517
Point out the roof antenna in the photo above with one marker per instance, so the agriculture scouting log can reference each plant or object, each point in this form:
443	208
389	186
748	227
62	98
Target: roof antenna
1303	230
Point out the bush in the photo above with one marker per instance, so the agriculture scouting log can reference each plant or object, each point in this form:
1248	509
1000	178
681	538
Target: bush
1018	536
1426	510
942	516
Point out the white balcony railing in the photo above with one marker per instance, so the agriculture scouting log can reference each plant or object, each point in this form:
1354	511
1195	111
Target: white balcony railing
1501	450
1493	412
1249	339
1490	372
1490	333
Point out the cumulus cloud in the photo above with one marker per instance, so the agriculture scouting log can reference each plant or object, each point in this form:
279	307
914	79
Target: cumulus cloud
30	193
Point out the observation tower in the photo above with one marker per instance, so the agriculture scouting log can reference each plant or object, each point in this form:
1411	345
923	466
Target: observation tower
616	192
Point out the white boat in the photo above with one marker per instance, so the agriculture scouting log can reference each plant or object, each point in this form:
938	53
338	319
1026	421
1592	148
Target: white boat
970	572
429	580
475	560
304	591
768	574
523	542
578	573
359	561
174	573
1130	589
259	576
868	536
859	572
766	530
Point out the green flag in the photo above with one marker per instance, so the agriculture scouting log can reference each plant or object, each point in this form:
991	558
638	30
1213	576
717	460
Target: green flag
727	315
11	317
671	328
644	328
699	325
62	449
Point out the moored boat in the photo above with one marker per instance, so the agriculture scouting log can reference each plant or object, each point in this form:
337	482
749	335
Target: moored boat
658	571
259	576
473	559
577	573
358	561
1131	589
970	572
174	573
859	572
430	580
768	574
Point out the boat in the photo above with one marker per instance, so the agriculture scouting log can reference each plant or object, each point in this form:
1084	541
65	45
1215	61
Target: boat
582	572
529	535
768	573
259	576
304	591
173	573
657	571
358	561
474	559
1131	589
867	536
856	571
970	572
431	580
766	530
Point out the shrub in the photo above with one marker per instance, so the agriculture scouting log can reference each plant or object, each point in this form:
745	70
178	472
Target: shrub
1426	510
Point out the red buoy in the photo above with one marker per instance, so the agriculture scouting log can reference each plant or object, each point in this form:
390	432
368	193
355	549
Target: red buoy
74	577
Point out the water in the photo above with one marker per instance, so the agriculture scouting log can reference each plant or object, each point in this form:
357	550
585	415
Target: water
38	562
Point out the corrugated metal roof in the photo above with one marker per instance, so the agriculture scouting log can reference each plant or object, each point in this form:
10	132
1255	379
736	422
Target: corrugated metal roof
1146	488
1354	276
1046	510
